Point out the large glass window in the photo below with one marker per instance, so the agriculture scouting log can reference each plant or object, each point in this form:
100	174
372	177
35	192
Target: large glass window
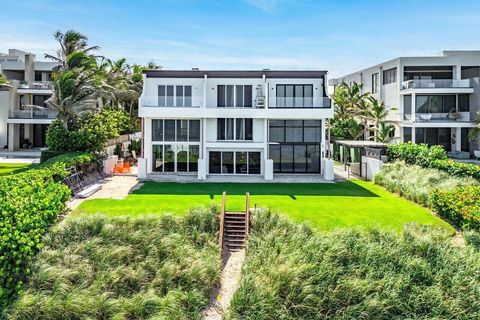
239	96
390	76
295	145
234	129
434	136
174	96
294	96
157	130
464	102
374	82
435	103
234	162
175	156
407	104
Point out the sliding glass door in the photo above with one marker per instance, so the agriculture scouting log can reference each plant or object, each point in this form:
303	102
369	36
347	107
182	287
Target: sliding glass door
234	162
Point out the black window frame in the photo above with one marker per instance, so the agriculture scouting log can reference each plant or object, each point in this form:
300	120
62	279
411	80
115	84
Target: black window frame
282	96
223	129
390	76
223	95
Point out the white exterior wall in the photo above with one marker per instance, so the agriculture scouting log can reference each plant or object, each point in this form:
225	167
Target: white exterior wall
393	94
204	107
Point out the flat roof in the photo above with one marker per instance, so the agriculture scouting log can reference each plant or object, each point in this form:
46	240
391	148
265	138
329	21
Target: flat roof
294	74
361	143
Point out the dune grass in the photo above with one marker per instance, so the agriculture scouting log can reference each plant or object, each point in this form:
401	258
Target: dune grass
97	267
326	206
9	168
295	272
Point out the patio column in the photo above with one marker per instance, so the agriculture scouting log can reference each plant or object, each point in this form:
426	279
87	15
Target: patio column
458	139
414	106
413	135
13	139
147	146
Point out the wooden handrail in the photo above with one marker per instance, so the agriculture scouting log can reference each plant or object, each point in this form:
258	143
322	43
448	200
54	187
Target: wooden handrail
222	221
247	214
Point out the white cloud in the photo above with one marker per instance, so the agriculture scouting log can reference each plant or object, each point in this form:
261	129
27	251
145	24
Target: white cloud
264	5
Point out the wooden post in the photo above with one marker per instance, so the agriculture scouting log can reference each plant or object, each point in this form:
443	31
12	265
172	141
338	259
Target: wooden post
222	221
247	215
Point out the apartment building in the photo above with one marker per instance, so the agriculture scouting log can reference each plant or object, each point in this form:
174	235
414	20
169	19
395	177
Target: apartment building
436	98
244	123
24	115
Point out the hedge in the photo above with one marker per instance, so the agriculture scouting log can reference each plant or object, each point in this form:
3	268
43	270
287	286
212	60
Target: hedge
47	154
461	206
29	203
431	157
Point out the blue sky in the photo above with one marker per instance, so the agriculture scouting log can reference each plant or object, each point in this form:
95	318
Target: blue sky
339	36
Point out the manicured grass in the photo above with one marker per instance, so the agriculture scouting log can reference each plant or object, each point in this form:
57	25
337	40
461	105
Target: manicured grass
8	168
327	206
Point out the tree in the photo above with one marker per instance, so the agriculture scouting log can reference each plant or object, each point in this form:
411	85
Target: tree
474	133
3	79
75	88
377	113
70	42
382	133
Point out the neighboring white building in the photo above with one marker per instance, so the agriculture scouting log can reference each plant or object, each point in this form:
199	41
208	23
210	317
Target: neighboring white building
24	116
437	97
262	123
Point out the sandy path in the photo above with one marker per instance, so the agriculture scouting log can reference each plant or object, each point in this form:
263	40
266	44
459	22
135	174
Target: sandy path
229	281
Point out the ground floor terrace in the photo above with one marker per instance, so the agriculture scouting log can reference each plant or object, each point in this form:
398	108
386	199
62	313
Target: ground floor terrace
23	136
454	138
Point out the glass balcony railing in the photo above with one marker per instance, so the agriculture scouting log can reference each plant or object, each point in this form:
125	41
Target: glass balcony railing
439	117
171	102
37	85
436	83
32	114
301	103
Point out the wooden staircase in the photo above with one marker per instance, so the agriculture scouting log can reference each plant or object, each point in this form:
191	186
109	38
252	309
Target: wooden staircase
234	226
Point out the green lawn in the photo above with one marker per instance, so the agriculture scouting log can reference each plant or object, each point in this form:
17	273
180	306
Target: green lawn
7	168
327	206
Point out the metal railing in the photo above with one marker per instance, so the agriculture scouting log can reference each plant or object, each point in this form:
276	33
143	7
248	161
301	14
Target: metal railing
438	117
301	102
32	114
171	102
436	83
40	85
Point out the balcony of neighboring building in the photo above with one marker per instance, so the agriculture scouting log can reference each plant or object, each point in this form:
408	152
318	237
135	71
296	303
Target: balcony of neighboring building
430	110
32	114
433	79
35	87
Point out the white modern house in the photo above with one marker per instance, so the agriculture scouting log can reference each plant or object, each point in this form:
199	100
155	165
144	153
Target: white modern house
436	98
244	123
24	115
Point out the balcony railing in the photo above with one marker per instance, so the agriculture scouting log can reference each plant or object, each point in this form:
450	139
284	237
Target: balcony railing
32	114
171	102
439	117
301	103
37	85
436	83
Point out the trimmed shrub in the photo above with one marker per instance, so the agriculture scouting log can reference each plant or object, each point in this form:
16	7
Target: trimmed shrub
416	183
29	203
294	272
431	157
90	132
462	206
124	268
47	154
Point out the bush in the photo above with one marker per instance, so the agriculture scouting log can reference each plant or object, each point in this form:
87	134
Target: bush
29	203
431	157
462	206
124	268
416	183
89	133
47	154
293	272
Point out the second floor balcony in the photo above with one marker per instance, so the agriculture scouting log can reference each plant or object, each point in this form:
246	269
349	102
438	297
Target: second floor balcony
436	83
299	102
32	114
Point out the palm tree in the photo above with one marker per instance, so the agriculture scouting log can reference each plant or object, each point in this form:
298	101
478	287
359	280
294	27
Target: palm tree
382	133
3	79
377	113
70	42
355	130
75	89
474	133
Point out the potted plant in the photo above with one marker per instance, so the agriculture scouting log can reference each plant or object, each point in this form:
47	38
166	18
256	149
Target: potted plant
454	115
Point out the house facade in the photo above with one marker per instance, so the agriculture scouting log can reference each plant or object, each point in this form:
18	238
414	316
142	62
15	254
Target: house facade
248	123
436	98
24	115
